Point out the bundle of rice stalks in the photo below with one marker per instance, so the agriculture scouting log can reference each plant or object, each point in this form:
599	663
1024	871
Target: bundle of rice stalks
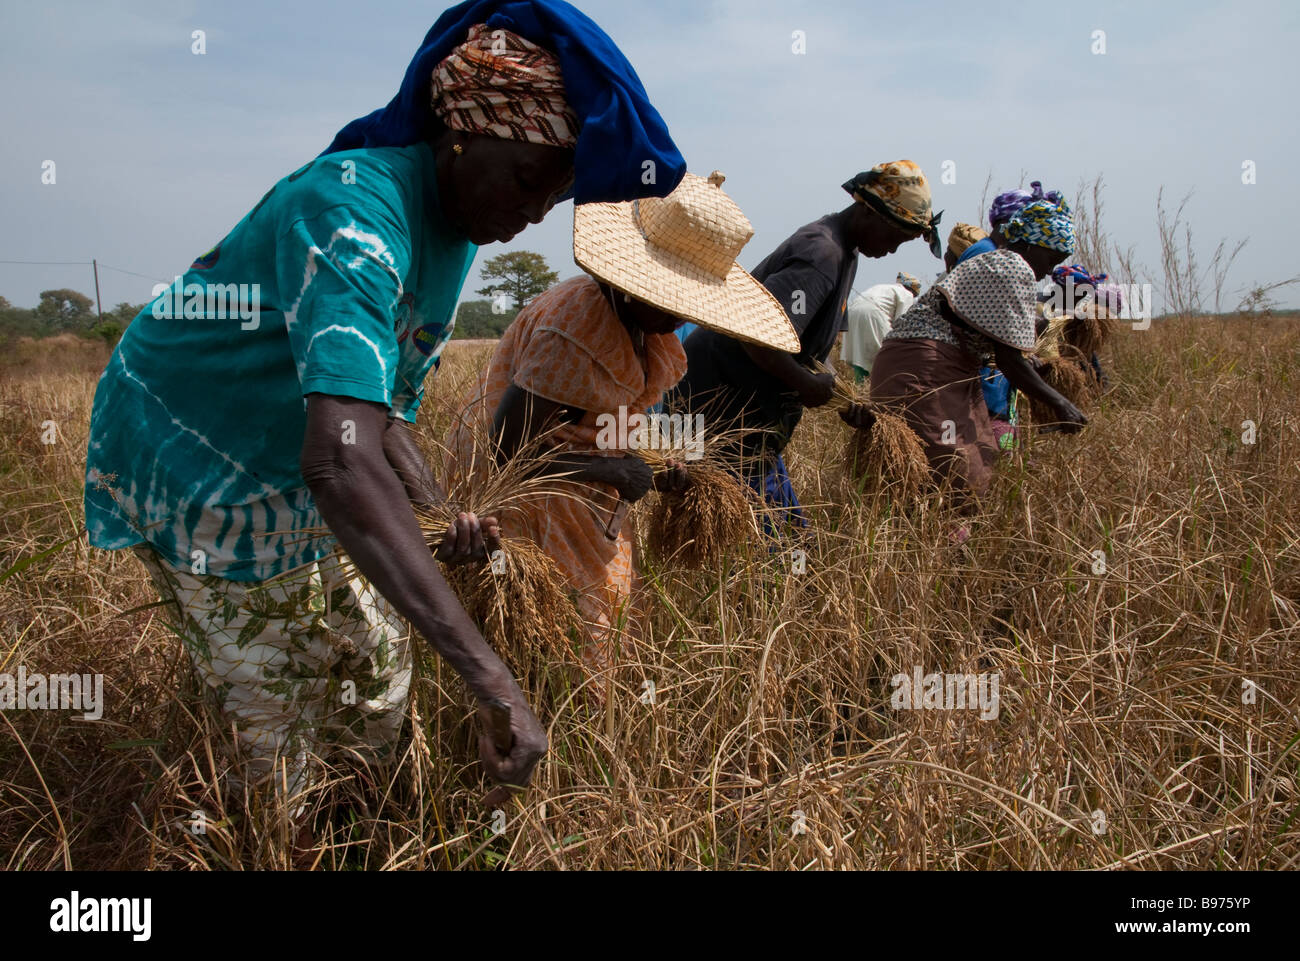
1069	376
694	527
1089	329
889	456
522	603
519	597
843	394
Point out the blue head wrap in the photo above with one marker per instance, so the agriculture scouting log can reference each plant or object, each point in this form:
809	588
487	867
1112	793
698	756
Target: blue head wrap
620	129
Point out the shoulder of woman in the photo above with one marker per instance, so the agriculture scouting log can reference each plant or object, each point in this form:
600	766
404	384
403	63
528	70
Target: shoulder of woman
998	270
575	310
665	362
994	294
1000	262
364	179
572	326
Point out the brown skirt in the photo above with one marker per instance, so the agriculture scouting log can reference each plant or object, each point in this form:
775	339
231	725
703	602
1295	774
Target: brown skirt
929	383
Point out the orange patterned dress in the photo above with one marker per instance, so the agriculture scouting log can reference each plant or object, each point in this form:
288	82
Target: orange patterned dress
568	346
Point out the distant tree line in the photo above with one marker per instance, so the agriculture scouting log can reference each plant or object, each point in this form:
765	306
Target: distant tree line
513	279
475	320
70	312
64	311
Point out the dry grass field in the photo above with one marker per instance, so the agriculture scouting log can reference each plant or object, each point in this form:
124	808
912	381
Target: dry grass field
1149	713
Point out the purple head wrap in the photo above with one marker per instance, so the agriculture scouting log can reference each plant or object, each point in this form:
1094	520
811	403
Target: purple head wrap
1004	205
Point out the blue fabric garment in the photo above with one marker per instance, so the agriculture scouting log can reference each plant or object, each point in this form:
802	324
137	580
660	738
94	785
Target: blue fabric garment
621	130
782	502
333	284
997	392
984	246
1100	374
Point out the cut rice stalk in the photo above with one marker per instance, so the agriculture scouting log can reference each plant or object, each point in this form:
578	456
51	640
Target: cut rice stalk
1089	330
1069	377
519	597
523	604
843	394
695	527
889	456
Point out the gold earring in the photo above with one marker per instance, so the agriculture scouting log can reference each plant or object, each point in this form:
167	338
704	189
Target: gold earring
457	149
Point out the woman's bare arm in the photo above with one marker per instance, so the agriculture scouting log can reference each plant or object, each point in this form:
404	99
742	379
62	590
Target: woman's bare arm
521	416
361	498
406	458
1022	376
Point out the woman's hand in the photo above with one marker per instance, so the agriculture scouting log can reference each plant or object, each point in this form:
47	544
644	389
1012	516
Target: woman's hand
632	476
362	499
469	539
527	747
673	478
817	389
1021	372
1072	419
858	416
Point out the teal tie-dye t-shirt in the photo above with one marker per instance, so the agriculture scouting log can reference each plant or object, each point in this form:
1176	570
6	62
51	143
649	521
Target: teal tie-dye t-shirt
342	280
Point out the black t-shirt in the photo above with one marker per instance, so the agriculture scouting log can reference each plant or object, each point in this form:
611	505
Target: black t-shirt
811	275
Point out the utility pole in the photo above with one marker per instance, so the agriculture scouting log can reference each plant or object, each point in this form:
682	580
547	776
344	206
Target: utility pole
98	306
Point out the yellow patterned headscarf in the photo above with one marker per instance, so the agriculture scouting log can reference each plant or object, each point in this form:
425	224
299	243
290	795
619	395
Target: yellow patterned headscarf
913	285
962	237
900	191
500	85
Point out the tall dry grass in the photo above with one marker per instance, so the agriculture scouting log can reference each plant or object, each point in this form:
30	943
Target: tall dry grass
1121	692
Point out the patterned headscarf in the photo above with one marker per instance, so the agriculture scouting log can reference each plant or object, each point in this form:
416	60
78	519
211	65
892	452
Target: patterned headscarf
1043	223
962	236
1078	273
995	295
899	191
1004	205
904	279
500	85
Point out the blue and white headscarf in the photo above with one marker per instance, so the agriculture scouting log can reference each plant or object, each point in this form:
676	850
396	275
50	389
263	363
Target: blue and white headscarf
1043	223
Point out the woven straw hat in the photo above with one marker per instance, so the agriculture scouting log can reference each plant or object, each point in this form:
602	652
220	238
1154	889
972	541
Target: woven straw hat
679	254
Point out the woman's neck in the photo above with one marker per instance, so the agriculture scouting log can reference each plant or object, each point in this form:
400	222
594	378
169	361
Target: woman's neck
634	332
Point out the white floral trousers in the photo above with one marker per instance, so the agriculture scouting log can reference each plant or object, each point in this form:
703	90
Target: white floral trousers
313	662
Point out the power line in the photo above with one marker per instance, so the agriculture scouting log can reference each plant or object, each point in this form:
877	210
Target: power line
79	263
49	263
131	272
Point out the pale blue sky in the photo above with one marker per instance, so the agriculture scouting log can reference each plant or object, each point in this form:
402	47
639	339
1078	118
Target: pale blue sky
159	152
